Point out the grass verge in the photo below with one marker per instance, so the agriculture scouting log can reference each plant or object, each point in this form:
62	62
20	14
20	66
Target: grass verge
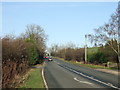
34	79
87	65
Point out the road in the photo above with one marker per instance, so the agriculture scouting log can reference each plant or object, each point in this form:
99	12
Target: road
61	74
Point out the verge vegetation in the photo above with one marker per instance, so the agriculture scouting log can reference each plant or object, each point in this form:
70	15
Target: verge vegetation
20	53
106	49
34	79
87	65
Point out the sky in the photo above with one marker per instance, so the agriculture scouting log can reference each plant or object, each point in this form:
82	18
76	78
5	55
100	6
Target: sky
63	22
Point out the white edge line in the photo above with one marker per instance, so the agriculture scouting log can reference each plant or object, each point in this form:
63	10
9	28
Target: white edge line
45	83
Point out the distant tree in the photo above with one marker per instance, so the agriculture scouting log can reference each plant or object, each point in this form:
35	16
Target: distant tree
68	52
79	54
70	45
53	50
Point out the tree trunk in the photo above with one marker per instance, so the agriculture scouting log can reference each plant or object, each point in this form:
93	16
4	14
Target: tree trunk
118	63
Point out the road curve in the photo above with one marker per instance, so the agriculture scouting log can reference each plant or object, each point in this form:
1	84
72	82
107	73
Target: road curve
60	74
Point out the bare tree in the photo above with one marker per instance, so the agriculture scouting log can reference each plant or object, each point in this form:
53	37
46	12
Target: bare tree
36	34
107	34
53	50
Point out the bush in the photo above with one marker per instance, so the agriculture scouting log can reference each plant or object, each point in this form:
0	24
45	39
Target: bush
109	53
20	53
97	58
33	55
79	54
14	59
69	54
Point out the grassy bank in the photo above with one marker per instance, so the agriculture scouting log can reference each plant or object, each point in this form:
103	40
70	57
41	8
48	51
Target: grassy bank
92	50
87	65
34	79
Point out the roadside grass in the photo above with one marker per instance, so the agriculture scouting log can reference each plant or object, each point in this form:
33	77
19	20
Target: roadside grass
87	65
34	79
96	66
92	50
60	58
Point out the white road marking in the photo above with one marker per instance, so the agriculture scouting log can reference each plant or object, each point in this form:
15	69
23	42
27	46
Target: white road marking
107	84
46	86
83	81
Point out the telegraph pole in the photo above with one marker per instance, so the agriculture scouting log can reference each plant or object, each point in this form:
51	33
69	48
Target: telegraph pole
85	48
119	22
118	34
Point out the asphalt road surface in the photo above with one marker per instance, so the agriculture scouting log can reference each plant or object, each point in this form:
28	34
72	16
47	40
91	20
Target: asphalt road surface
60	74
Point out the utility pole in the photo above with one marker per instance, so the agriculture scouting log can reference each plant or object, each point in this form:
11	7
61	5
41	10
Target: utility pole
85	48
118	34
119	22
